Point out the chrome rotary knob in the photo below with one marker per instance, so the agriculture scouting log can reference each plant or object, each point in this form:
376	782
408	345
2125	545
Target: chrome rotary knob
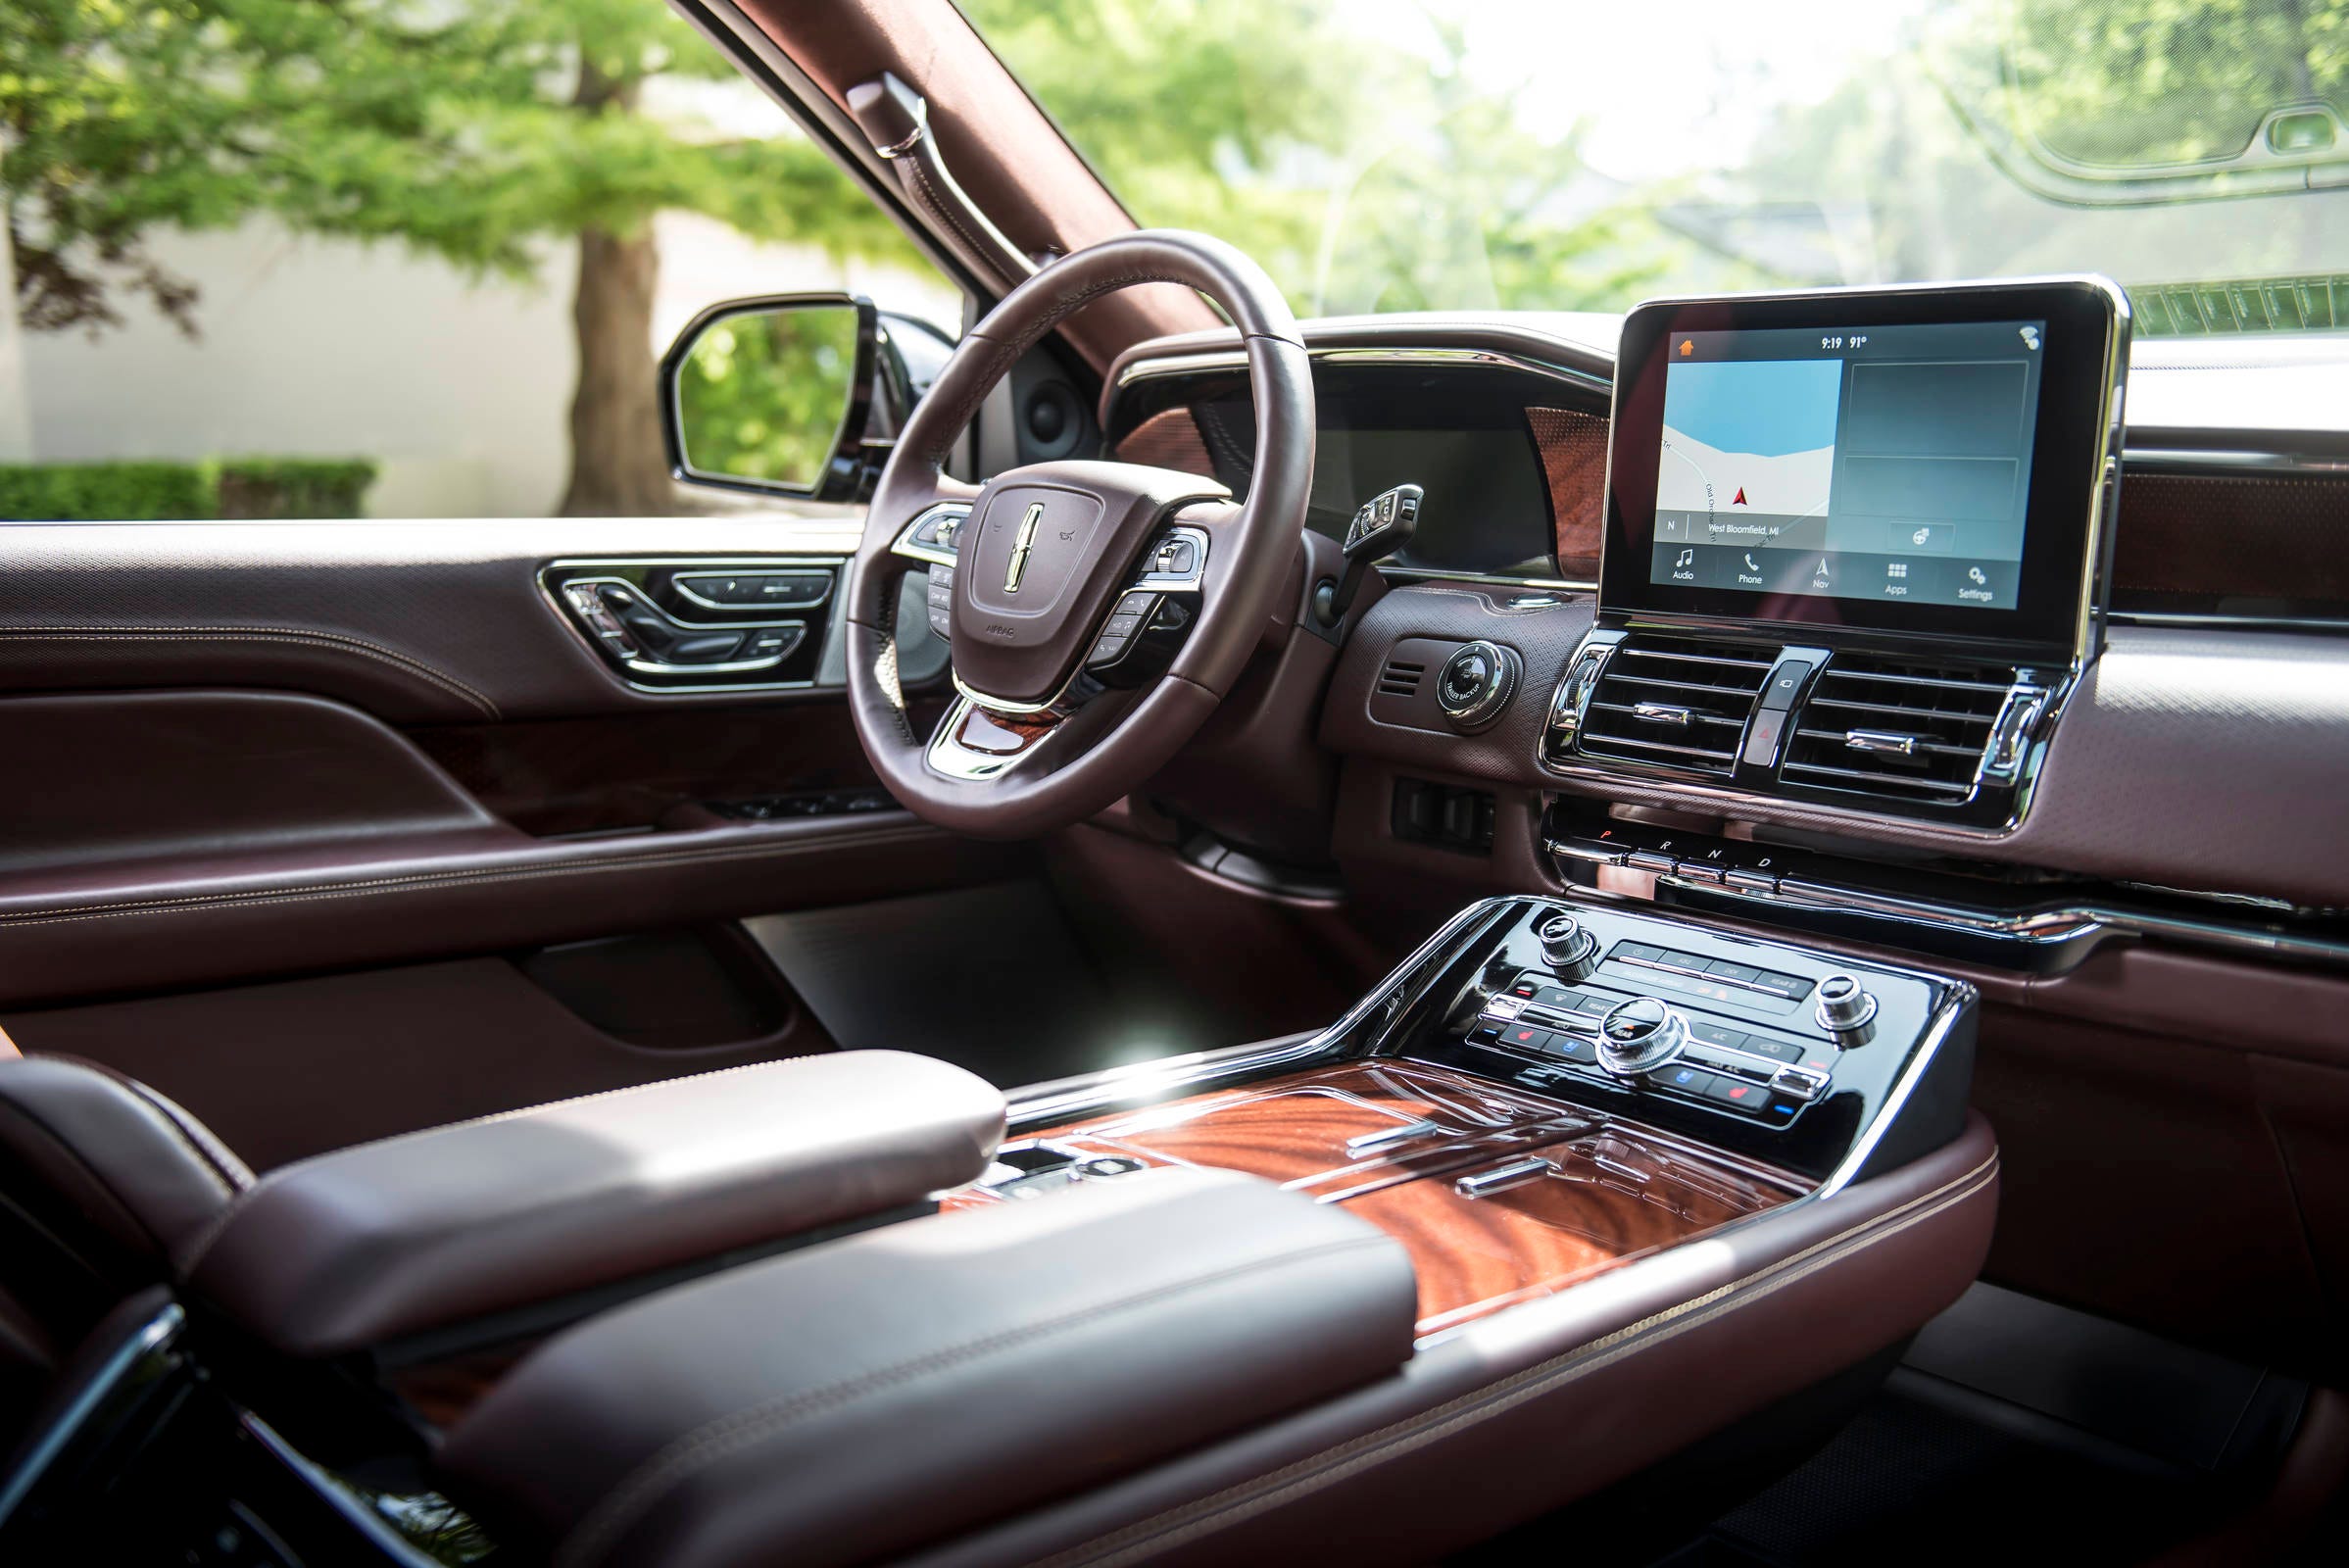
1845	1011
1569	948
1639	1036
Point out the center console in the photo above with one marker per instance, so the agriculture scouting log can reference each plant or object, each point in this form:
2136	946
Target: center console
1546	1091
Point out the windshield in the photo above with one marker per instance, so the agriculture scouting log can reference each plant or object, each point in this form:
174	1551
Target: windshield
1390	155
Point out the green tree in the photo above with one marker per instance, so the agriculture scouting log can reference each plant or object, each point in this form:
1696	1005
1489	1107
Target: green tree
477	130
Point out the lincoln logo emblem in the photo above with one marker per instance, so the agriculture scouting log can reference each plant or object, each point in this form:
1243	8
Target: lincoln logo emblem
1021	544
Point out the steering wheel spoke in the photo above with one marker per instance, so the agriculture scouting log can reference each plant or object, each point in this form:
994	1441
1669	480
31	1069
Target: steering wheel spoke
1094	613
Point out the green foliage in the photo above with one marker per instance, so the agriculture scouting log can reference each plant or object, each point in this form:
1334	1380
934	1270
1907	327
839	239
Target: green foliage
73	492
762	395
166	492
467	129
1365	177
291	488
2153	82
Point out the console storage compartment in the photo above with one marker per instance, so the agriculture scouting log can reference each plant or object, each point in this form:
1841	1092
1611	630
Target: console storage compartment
513	1224
860	1399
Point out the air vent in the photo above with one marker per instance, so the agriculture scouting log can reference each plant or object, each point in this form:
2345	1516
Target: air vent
1677	702
1400	678
1898	729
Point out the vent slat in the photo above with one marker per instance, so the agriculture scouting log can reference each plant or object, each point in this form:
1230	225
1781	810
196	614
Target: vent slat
1400	678
1717	683
1949	709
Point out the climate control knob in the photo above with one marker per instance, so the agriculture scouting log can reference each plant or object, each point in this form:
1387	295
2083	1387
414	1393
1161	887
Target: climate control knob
1571	951
1845	1011
1639	1036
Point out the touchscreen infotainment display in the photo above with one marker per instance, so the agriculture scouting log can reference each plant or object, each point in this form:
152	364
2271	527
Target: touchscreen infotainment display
1931	459
1890	463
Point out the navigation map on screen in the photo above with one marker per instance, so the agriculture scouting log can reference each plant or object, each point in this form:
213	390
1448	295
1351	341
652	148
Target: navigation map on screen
1885	463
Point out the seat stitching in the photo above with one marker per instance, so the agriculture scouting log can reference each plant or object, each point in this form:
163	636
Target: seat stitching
424	879
336	641
625	1502
1482	1403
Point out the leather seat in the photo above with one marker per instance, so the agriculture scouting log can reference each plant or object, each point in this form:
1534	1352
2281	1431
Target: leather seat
108	1188
101	1182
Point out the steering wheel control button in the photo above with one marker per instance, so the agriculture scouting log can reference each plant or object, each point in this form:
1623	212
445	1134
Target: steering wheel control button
1639	1036
1476	684
1845	1011
1571	951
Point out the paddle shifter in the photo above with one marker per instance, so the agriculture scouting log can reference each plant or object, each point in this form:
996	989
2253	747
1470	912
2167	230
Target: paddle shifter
1382	525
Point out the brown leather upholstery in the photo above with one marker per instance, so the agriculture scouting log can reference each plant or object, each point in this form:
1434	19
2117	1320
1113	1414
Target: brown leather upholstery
98	1158
100	1179
414	1234
706	1439
936	1374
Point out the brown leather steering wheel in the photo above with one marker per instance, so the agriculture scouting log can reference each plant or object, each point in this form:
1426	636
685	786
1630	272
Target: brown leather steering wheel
1059	569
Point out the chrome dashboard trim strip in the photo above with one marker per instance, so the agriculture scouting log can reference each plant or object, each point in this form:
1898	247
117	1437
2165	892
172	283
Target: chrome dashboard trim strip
1489	580
1206	360
2076	930
2227	460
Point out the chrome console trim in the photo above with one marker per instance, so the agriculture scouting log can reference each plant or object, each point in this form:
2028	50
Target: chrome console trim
1088	1094
1944	1019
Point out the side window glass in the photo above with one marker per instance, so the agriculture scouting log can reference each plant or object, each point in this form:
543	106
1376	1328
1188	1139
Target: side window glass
386	261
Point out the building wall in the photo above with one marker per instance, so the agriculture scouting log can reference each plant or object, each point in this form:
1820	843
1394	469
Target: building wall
460	386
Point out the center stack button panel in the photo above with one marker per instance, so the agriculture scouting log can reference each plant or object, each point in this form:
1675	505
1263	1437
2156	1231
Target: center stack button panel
1760	1056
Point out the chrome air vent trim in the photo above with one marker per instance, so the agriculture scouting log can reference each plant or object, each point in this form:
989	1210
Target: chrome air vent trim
1671	701
1911	730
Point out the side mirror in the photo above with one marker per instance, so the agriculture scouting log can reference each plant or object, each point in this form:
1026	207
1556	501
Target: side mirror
773	395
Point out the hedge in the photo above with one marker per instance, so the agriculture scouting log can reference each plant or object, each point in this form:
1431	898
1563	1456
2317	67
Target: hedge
150	491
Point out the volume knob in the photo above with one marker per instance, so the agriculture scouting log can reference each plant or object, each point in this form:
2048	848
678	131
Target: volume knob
1639	1036
1845	1011
1570	950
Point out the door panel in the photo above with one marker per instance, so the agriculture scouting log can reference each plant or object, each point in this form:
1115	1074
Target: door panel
302	807
292	1069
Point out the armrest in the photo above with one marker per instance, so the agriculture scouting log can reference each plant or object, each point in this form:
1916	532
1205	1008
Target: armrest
860	1399
410	1235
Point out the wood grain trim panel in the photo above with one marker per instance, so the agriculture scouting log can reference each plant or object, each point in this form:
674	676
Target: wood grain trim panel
1610	1191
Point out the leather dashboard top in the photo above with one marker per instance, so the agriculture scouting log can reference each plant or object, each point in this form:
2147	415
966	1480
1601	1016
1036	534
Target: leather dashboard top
2206	760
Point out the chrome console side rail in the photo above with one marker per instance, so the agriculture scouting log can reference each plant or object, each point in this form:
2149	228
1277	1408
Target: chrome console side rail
1090	1093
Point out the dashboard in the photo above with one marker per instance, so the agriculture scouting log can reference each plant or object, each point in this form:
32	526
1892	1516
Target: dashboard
2095	738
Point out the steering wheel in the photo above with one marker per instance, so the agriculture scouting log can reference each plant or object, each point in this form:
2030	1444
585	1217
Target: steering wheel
1094	613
